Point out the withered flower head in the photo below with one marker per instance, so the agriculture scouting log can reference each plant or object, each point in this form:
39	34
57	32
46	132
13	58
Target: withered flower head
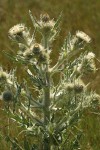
83	36
78	88
7	96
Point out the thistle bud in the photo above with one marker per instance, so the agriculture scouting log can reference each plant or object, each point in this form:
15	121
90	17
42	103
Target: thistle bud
45	24
7	96
78	88
45	17
36	48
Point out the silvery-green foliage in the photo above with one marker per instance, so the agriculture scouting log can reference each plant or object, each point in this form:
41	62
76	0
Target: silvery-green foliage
49	115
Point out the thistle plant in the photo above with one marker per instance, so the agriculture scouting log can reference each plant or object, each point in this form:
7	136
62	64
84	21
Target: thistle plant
47	117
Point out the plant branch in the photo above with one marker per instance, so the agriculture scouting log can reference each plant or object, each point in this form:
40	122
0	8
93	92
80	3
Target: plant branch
64	58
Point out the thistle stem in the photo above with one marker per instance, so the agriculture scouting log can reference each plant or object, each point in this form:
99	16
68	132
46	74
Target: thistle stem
46	99
45	41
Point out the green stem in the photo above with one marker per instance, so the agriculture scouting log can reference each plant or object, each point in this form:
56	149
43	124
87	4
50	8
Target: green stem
46	109
47	102
8	129
45	41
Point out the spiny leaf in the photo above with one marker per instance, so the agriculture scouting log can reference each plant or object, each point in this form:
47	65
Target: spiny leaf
34	21
58	21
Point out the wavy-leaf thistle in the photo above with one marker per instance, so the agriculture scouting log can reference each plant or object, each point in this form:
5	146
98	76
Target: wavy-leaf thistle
49	115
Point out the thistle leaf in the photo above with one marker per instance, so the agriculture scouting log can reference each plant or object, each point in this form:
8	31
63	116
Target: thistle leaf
58	21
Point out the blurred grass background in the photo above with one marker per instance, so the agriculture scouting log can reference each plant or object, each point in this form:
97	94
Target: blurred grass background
77	15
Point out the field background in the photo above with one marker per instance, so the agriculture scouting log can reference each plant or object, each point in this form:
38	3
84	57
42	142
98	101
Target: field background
77	15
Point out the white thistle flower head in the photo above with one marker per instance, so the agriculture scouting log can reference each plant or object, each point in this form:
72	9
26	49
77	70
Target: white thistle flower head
83	36
18	32
90	56
87	64
6	77
3	76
